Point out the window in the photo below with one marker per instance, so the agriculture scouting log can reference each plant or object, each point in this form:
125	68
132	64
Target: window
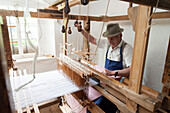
18	41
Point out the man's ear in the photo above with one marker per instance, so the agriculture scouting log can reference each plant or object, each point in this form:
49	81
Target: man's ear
121	35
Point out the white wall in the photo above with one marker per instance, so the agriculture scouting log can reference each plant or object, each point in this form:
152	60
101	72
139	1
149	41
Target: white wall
47	37
43	64
156	55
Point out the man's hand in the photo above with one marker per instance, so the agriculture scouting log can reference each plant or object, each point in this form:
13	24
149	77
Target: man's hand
76	23
109	73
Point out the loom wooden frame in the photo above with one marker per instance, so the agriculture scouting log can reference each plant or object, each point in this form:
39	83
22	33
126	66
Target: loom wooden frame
112	84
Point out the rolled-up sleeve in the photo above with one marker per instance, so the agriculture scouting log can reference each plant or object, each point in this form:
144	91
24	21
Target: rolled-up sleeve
128	50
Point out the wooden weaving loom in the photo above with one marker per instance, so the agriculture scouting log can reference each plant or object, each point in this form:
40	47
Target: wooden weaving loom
129	97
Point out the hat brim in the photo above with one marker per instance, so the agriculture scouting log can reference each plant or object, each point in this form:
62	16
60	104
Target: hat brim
106	34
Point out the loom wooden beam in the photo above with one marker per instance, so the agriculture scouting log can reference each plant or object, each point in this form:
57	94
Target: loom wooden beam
50	11
57	2
65	108
75	67
52	8
122	98
166	77
117	94
159	15
115	18
49	103
166	81
6	100
92	107
163	4
65	23
6	41
86	46
143	100
72	3
139	52
140	48
121	106
146	90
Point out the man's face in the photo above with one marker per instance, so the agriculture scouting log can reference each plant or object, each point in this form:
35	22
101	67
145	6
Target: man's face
114	40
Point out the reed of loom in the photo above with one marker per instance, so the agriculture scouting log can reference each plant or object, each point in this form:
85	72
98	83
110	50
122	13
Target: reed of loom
73	72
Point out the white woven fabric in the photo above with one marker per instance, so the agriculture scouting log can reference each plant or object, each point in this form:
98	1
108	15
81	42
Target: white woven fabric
45	87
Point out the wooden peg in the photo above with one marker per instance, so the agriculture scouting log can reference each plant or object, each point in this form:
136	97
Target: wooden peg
79	27
63	29
69	30
76	23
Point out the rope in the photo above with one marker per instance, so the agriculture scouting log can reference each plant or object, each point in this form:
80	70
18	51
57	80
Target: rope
102	29
79	11
35	57
89	23
33	47
78	39
151	17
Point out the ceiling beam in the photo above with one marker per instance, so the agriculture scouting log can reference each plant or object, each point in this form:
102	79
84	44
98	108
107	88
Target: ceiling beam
163	4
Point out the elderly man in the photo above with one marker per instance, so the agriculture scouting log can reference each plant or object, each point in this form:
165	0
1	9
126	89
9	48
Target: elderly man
117	60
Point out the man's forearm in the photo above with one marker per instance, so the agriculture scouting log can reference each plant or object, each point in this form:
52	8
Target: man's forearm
89	37
124	72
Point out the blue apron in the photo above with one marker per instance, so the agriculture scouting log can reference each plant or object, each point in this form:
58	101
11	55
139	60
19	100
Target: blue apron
114	65
106	105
